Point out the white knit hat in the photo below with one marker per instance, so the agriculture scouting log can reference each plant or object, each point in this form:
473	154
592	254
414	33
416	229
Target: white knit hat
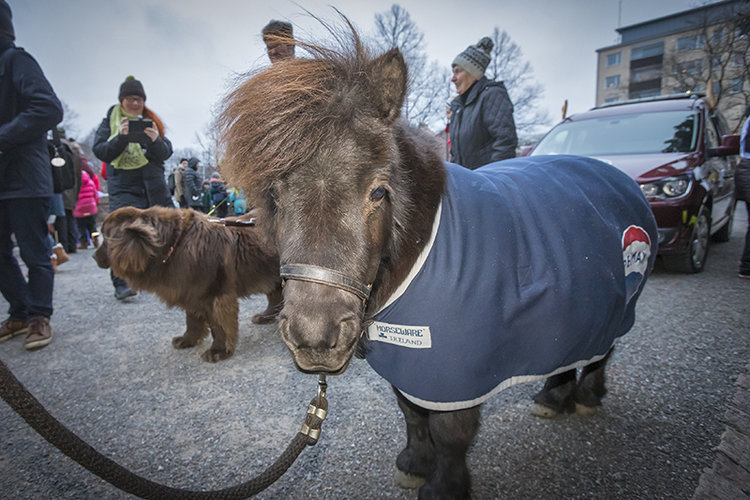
475	58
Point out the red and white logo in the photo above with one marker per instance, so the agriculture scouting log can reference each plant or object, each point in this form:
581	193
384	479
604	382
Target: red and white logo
636	250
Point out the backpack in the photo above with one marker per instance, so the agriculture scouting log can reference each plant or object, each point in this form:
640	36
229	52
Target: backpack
62	161
171	183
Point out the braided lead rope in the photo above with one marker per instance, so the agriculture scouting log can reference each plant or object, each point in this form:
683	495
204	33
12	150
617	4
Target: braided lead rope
29	408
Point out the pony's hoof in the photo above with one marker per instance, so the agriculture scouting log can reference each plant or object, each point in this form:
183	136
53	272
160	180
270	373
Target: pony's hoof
586	411
408	481
542	411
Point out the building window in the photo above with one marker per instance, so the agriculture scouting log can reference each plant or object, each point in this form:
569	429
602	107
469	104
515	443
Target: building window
613	59
694	67
716	87
645	75
736	86
649	50
738	59
612	82
718	36
639	94
611	99
716	63
690	43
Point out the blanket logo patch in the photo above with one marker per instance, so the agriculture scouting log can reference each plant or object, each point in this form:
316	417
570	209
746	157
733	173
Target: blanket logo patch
414	337
636	250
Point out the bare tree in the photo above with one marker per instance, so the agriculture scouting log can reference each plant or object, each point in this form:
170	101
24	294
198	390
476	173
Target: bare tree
70	117
428	84
525	93
714	60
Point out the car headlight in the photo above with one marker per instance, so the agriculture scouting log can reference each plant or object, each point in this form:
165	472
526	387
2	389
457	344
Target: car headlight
671	187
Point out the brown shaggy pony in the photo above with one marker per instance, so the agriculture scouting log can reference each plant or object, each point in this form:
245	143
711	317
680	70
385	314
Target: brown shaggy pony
200	266
355	196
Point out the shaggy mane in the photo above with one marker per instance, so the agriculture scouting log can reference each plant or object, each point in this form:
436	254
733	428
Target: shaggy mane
279	117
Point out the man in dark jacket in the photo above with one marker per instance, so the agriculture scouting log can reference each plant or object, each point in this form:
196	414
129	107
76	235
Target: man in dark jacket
193	181
28	109
482	129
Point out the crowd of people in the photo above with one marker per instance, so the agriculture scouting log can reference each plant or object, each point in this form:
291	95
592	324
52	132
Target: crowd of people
132	146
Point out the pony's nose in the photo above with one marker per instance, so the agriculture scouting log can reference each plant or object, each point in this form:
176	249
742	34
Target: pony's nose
320	325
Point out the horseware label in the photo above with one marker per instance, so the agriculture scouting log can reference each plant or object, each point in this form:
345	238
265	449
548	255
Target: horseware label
415	337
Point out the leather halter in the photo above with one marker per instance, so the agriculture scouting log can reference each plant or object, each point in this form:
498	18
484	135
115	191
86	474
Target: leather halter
325	276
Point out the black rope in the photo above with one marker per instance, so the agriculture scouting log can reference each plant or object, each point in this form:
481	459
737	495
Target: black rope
27	406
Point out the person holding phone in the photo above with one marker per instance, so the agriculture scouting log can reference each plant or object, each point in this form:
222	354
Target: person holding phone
131	141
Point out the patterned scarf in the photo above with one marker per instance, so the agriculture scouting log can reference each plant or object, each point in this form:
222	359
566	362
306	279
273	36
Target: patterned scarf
133	157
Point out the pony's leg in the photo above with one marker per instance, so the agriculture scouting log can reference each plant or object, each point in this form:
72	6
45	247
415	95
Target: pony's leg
271	313
556	396
224	328
196	328
415	462
452	433
591	387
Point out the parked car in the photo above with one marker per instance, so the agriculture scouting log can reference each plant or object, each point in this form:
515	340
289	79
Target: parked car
678	151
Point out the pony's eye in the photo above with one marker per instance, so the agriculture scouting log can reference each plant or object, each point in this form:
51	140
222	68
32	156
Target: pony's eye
378	193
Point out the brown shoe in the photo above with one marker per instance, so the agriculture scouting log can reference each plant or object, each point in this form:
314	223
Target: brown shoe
40	333
62	256
12	327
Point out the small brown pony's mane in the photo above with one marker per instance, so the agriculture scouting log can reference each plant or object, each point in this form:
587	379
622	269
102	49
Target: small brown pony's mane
278	118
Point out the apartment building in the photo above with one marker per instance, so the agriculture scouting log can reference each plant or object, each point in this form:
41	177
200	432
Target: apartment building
701	50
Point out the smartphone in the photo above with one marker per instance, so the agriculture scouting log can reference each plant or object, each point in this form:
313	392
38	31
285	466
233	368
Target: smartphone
136	130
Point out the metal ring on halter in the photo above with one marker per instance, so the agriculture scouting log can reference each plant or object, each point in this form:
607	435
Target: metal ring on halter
325	276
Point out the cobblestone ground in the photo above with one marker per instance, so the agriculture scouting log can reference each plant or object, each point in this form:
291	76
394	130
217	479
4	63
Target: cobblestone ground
111	375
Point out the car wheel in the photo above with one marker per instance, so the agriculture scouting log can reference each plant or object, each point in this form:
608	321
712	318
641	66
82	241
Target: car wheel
723	234
695	259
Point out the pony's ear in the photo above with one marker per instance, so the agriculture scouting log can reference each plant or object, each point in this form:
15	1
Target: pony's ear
388	76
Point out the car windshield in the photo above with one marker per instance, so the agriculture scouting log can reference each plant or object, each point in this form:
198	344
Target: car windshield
661	132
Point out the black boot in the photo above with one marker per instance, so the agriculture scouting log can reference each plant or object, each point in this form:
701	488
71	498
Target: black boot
122	290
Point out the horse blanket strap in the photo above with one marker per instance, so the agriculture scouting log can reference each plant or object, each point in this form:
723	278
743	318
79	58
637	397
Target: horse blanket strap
325	276
534	269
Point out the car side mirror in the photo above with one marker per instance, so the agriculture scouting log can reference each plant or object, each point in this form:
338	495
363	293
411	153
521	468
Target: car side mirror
730	145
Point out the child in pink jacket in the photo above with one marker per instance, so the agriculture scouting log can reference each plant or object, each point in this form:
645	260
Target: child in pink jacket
85	212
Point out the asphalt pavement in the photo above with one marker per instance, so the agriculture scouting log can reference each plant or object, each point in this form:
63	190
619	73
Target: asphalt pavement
112	377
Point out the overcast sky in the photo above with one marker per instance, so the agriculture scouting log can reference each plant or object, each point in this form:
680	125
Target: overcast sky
187	52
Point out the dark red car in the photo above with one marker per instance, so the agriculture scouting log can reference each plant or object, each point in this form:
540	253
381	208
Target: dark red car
677	150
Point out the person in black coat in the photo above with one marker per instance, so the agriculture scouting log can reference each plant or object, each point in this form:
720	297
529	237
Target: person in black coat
135	166
482	129
742	190
193	189
28	109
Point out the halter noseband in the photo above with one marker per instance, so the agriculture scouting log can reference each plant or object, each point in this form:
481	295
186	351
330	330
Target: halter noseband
325	276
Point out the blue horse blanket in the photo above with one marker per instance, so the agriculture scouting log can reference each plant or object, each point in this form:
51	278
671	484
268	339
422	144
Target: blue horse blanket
534	267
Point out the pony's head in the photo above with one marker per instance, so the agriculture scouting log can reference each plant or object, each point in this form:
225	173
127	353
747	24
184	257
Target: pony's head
316	143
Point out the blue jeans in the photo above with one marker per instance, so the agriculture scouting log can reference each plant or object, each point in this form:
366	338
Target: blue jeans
26	218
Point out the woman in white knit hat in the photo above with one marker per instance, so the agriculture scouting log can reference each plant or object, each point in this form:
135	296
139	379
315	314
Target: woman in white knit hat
482	129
